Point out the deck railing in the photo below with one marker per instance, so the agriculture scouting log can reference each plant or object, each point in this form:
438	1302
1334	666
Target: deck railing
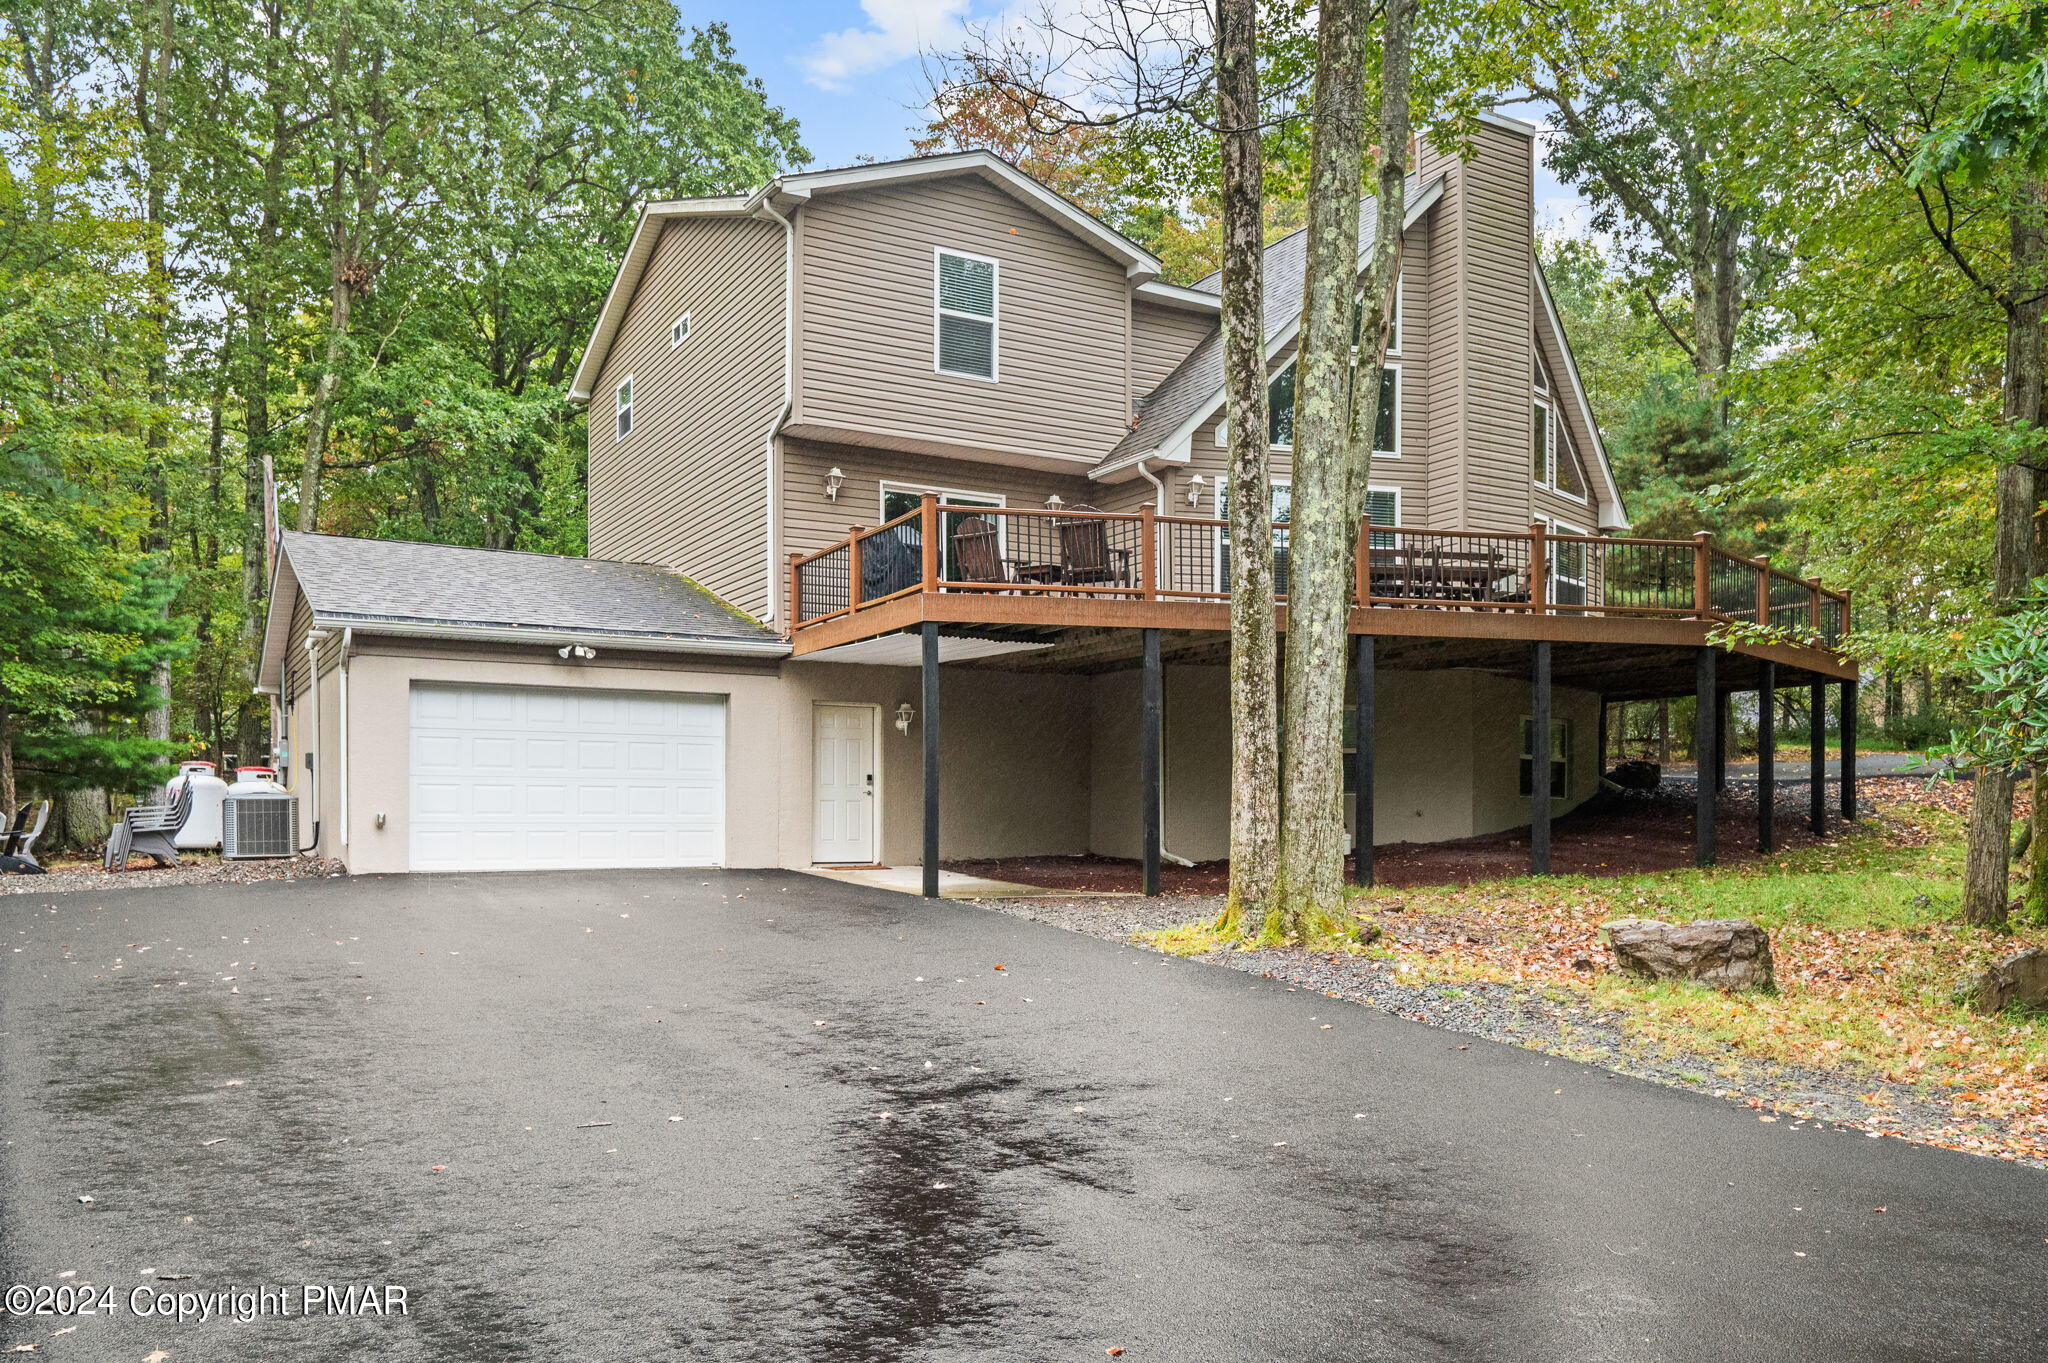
1146	556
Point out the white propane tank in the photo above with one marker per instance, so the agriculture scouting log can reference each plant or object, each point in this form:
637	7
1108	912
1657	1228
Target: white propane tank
255	778
202	826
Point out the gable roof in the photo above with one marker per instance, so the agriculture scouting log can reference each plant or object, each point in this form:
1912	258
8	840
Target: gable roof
399	587
772	200
1194	390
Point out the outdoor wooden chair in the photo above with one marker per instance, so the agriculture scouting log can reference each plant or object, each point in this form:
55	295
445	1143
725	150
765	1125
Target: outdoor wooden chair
1086	557
977	552
149	831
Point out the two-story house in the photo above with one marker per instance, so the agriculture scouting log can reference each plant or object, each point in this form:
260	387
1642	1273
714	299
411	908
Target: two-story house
906	522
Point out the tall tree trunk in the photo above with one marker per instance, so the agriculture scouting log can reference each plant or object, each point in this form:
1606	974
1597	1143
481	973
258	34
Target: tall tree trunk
258	446
152	74
320	411
2014	552
9	796
1254	706
1322	522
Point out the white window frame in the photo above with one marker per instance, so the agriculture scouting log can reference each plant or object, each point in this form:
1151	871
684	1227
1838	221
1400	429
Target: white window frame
1220	541
1542	404
1400	385
1558	527
622	409
1378	487
994	318
1558	428
996	499
1400	316
679	330
1393	365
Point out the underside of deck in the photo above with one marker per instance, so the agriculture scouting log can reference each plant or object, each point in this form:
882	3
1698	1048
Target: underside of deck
1619	658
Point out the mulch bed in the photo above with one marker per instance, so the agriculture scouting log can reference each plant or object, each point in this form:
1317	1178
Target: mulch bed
1611	835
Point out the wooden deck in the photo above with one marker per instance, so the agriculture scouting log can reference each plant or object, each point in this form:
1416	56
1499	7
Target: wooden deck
1079	580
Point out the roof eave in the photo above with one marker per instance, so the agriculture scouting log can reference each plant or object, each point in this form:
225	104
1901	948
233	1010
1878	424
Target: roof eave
547	635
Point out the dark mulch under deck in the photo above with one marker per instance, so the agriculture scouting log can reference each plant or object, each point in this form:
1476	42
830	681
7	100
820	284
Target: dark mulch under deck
1613	835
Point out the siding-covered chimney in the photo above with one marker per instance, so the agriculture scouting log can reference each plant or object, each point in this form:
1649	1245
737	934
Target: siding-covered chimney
1481	301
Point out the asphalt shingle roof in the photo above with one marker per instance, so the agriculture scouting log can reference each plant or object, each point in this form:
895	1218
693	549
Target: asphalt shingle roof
1199	377
395	581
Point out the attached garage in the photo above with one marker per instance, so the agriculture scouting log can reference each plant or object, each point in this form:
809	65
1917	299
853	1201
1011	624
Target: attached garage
509	778
451	709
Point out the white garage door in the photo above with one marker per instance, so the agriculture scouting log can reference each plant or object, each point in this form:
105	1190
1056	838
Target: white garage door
514	778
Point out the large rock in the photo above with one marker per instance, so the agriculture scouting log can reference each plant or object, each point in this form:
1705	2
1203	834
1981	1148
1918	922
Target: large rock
1727	953
2021	978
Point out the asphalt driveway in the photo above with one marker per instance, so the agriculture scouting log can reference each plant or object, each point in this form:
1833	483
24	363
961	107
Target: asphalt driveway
768	1117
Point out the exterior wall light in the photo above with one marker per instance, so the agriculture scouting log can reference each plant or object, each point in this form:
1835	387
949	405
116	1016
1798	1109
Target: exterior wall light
833	482
1195	486
904	714
1054	502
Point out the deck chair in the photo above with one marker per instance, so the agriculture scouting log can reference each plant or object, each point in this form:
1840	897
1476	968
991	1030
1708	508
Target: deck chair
149	831
977	552
1086	556
20	839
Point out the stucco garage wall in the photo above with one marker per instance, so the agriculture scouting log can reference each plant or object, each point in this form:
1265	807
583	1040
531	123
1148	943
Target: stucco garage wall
381	675
1013	749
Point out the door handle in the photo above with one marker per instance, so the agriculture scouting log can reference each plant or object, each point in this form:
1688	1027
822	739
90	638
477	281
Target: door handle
871	783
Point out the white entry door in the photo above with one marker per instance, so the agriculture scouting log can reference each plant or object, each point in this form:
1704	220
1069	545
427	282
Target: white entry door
509	778
843	782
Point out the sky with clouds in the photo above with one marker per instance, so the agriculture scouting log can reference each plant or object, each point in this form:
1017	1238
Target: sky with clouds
848	71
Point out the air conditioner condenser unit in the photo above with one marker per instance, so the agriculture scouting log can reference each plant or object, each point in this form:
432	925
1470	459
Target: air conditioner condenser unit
259	823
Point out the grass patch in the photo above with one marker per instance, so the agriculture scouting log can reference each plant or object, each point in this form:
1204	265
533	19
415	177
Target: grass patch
1868	947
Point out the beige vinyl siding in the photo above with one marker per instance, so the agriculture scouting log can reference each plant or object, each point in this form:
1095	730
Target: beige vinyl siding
1160	339
811	520
1482	310
864	343
1499	324
688	487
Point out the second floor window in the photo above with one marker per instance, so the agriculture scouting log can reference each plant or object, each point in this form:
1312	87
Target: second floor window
622	422
964	336
1386	438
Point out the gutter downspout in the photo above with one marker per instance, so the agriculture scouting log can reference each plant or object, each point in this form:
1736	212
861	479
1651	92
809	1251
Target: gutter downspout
314	638
1153	478
774	569
341	763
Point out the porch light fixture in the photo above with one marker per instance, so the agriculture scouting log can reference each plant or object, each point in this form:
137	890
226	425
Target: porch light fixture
833	482
1195	486
904	714
568	651
1054	502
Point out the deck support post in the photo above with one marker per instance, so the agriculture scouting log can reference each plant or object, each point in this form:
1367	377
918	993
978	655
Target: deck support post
1150	766
930	733
1767	758
1539	759
1361	768
1600	753
1705	732
1848	751
1721	700
1817	759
